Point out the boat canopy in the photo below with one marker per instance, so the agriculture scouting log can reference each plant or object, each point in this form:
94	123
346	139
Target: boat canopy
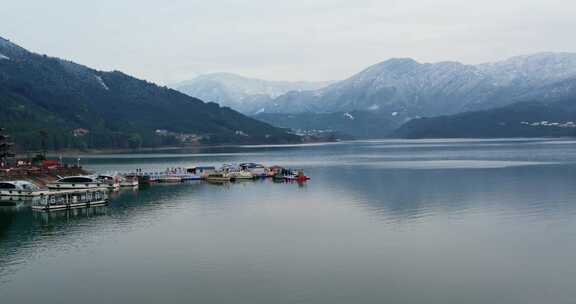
77	179
251	165
201	169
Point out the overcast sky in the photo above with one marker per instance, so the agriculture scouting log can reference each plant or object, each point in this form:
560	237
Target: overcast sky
168	41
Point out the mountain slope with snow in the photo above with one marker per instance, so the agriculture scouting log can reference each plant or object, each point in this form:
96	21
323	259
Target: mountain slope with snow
247	95
416	89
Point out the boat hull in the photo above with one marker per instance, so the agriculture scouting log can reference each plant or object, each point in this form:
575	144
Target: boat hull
69	206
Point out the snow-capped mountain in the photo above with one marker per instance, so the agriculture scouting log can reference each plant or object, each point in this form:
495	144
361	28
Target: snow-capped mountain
247	95
532	70
414	89
399	90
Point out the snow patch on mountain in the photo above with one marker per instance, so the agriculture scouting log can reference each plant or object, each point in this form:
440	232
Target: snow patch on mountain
102	83
4	57
348	116
244	94
431	89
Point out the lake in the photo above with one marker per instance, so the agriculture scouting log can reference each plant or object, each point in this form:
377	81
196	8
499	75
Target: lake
386	221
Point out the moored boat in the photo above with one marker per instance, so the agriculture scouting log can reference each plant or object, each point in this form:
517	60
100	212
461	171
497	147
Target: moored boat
19	188
129	181
282	174
77	183
69	199
257	170
241	175
218	177
112	182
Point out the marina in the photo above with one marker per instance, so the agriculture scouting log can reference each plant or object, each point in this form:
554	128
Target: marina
84	191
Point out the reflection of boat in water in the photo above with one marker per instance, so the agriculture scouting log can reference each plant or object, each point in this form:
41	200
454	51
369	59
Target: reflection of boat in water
14	201
19	188
170	179
70	199
218	177
76	183
68	214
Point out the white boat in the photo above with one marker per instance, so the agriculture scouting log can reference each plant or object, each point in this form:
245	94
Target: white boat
112	182
202	171
77	183
129	182
218	177
241	175
69	199
19	188
257	170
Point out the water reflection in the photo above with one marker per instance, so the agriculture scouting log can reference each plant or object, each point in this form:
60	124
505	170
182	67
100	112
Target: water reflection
458	221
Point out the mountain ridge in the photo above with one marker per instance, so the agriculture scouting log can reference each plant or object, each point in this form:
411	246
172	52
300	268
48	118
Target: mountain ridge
245	94
38	92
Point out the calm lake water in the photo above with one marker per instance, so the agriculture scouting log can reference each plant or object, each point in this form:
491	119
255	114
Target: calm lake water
435	221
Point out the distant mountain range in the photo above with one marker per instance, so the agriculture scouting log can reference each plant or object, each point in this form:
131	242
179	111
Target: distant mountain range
247	95
553	114
68	105
376	101
72	106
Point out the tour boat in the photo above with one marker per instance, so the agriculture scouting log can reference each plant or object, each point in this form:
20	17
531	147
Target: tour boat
69	199
77	182
19	188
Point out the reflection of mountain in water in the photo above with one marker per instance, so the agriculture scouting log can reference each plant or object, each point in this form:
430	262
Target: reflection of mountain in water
407	194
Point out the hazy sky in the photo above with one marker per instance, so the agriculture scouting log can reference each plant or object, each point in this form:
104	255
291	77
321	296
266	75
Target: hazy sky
168	41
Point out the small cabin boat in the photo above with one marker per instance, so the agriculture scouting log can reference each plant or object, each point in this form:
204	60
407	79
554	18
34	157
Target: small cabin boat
244	175
19	188
288	175
69	199
218	177
129	181
257	170
77	182
112	182
201	171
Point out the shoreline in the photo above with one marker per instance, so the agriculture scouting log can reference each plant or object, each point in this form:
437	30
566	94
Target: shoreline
75	152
